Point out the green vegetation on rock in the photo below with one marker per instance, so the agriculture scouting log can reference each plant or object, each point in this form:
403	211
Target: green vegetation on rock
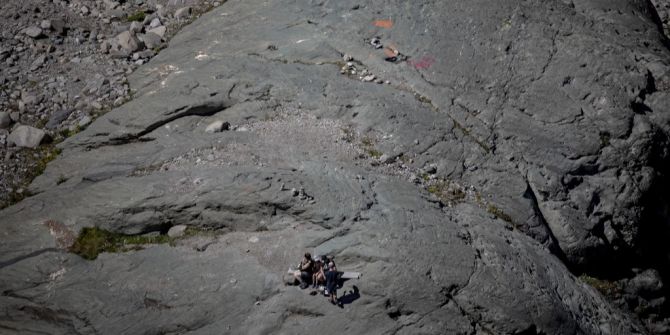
498	213
447	192
93	240
605	287
137	16
369	148
44	154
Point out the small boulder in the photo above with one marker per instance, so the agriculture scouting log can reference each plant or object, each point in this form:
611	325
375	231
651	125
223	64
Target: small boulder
5	120
160	31
128	42
177	231
648	283
150	40
155	23
57	118
84	121
217	126
34	32
26	136
136	27
182	13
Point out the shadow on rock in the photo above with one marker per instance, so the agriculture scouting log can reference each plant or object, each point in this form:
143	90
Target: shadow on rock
350	297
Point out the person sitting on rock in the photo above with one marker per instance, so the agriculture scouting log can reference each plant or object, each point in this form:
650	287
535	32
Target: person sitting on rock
304	274
331	282
318	275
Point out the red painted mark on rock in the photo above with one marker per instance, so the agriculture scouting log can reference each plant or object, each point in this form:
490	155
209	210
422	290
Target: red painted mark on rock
422	63
388	24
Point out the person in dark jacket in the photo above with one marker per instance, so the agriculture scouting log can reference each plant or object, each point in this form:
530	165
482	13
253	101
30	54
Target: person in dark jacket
331	282
304	272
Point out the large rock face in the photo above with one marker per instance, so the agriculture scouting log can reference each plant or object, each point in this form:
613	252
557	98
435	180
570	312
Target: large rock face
550	117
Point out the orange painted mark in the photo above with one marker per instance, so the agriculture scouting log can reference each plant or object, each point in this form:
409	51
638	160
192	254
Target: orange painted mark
384	23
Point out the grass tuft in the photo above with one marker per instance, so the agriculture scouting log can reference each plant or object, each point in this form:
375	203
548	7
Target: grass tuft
369	147
447	192
497	212
137	16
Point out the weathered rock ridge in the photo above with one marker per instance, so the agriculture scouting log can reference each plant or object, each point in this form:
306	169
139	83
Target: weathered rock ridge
466	161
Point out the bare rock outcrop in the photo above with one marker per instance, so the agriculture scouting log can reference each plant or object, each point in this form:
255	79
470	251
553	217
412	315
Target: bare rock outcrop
471	159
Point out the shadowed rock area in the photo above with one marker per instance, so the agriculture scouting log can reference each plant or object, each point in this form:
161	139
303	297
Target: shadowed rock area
471	158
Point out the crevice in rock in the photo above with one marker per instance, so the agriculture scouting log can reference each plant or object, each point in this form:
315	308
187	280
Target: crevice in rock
552	243
659	23
638	105
28	256
205	108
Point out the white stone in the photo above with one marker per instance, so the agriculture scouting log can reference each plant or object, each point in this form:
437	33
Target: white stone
217	126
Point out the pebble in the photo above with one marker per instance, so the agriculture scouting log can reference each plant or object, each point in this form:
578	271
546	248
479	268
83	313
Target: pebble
376	42
369	78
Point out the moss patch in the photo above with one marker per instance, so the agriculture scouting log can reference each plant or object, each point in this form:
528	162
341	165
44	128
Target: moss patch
604	139
67	132
605	287
92	241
